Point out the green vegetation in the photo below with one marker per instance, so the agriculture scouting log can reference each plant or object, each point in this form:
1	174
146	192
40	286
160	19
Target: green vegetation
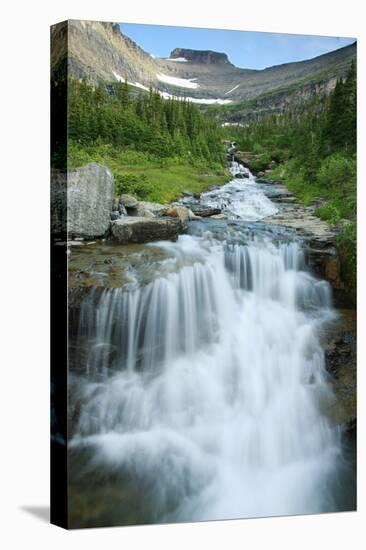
314	148
154	147
143	175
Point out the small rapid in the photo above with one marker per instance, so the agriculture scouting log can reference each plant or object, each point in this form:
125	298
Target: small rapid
241	198
204	392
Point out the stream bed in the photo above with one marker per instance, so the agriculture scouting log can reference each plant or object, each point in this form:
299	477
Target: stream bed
197	382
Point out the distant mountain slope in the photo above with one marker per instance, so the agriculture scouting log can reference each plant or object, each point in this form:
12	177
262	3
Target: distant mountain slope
100	52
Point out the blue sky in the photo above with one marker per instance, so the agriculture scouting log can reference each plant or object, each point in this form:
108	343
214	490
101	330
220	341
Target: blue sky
250	50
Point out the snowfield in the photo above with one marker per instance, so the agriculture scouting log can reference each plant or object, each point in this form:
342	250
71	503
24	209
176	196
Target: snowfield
166	95
136	84
202	101
174	81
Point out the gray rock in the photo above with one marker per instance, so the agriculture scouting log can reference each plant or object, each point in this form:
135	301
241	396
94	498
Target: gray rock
155	208
81	202
122	210
148	210
142	230
58	202
141	212
128	201
204	211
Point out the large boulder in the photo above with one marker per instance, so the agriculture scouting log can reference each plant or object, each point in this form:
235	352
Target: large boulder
58	202
142	230
81	202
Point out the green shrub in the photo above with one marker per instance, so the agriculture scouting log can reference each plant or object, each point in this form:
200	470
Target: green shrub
279	155
337	171
257	148
133	184
260	163
328	213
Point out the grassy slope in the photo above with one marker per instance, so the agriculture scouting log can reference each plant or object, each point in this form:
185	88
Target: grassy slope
147	177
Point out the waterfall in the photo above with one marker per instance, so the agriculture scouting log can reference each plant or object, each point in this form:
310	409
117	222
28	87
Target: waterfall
205	388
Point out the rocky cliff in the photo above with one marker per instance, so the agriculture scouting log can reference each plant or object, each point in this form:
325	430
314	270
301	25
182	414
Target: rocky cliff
200	56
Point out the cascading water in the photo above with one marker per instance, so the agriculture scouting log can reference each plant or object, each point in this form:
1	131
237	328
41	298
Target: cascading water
204	389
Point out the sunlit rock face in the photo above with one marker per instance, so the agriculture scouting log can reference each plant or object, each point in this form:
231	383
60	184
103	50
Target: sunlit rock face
200	56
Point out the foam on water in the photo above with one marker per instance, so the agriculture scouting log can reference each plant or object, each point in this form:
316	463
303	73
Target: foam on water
205	387
241	198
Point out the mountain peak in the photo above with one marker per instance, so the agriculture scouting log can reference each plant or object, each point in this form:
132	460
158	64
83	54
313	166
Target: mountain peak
207	57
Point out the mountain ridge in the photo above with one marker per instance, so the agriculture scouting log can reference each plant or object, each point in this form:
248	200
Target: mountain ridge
100	52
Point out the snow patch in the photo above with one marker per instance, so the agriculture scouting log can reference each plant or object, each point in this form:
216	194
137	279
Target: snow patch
166	95
179	59
136	84
233	124
235	87
202	101
174	81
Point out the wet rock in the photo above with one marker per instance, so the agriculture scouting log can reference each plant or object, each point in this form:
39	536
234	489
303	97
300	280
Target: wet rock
204	211
332	271
219	216
141	229
122	210
263	180
187	193
115	215
340	359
